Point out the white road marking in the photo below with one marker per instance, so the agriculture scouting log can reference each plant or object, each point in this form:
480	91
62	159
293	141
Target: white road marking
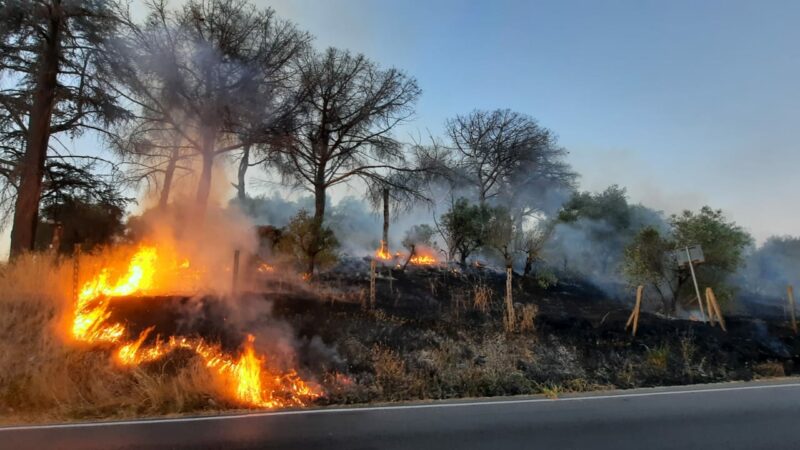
398	407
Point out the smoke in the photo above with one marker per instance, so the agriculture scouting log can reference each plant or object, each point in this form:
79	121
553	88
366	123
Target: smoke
770	268
593	249
357	226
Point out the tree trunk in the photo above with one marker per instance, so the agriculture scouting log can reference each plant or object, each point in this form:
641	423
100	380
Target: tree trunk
411	254
241	193
385	241
319	218
528	264
169	175
204	184
26	210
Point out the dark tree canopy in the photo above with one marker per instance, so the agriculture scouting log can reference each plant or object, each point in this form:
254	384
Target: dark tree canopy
507	158
52	57
348	108
208	79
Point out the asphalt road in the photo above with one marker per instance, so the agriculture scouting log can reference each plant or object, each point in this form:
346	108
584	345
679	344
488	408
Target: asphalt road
727	416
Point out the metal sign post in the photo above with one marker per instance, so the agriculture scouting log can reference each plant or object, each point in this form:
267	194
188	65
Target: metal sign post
693	253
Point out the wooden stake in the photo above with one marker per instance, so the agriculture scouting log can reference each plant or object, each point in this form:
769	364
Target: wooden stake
790	295
639	293
712	298
372	267
709	307
634	318
509	301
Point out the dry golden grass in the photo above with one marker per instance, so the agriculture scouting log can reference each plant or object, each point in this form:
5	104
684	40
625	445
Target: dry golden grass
527	321
482	298
45	377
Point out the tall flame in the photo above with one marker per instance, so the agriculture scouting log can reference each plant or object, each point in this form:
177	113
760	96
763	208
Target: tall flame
383	252
252	385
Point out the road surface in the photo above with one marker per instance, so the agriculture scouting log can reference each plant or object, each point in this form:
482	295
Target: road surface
728	416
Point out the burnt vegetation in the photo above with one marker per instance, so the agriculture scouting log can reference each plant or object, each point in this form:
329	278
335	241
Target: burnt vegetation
493	275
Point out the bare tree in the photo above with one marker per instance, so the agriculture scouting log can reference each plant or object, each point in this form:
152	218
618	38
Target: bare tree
348	107
502	153
49	53
211	73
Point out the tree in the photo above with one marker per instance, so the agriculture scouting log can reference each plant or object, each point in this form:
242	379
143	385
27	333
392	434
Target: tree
306	244
532	240
465	228
348	108
508	155
52	51
213	76
647	259
593	229
501	238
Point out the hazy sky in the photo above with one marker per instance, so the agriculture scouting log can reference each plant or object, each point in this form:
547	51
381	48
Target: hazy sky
683	102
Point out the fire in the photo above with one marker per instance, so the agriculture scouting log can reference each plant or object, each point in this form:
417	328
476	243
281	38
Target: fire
423	260
383	252
265	268
250	383
424	257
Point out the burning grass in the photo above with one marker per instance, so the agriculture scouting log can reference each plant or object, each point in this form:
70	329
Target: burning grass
62	360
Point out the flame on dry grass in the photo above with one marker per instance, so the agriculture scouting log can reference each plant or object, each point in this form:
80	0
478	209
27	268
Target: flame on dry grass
250	382
383	252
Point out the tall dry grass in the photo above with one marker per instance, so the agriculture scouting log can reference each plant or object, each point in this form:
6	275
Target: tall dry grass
46	377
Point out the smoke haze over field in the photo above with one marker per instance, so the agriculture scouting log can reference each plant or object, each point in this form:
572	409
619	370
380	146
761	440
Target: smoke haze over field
683	103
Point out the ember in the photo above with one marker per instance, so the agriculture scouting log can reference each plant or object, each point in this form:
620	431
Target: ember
265	268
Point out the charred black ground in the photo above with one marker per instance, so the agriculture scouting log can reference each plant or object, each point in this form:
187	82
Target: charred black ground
424	338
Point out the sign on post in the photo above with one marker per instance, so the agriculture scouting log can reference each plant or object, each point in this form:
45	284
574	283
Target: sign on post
690	256
695	252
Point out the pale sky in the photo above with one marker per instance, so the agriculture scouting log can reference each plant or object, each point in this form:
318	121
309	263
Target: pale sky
685	103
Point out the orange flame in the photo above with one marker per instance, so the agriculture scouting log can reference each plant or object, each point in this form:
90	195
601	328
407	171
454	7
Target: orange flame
265	268
423	260
252	385
383	252
423	257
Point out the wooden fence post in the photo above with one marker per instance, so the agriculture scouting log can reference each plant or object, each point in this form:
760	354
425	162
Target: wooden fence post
790	295
714	310
634	318
372	287
510	314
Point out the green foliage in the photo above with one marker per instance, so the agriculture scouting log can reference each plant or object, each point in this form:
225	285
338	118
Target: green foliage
647	258
501	233
610	206
546	279
466	227
298	241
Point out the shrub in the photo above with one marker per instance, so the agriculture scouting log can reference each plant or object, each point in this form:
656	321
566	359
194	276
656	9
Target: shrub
308	248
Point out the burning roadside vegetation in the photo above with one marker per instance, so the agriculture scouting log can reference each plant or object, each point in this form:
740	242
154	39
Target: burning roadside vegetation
133	345
506	280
